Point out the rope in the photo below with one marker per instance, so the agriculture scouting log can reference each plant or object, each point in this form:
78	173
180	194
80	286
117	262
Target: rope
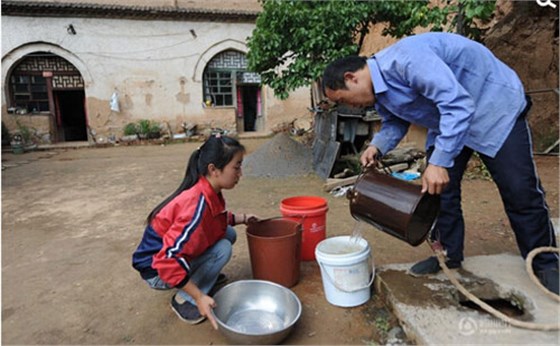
440	254
529	267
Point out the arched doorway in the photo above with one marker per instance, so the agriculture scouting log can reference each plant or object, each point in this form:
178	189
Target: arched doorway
45	84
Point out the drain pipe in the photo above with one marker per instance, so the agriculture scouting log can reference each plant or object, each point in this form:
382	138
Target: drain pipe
440	254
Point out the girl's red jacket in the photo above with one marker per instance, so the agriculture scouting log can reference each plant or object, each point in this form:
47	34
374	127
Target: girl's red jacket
184	229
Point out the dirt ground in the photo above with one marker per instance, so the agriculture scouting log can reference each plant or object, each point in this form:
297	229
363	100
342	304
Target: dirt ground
72	218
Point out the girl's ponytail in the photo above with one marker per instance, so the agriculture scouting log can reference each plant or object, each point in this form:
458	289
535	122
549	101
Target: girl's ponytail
193	171
217	150
191	177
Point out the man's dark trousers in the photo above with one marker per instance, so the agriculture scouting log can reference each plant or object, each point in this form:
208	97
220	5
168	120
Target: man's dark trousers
515	175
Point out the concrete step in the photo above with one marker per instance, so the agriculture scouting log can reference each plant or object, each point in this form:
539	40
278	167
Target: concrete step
432	311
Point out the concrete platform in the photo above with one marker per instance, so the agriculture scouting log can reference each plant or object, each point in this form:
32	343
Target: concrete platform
433	312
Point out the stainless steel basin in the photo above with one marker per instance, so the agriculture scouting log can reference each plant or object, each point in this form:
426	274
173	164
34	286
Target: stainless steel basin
256	312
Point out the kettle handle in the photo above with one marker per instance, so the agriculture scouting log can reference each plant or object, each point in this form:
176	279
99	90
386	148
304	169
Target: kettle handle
383	166
379	167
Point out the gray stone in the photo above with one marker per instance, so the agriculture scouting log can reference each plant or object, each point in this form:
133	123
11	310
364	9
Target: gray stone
430	312
282	156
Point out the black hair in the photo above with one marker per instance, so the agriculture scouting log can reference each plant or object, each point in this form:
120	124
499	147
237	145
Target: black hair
217	150
333	76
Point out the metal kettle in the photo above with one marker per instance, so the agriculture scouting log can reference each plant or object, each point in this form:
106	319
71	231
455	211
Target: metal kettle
394	206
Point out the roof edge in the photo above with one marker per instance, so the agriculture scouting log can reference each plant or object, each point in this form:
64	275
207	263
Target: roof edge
55	9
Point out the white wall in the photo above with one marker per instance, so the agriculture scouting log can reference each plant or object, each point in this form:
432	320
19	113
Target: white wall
155	66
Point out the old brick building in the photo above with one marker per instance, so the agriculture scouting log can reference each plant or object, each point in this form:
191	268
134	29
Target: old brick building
82	70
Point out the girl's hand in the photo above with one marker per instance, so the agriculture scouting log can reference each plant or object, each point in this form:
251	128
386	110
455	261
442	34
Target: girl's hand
250	218
205	304
245	219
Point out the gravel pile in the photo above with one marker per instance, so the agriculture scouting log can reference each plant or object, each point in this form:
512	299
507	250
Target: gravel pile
280	157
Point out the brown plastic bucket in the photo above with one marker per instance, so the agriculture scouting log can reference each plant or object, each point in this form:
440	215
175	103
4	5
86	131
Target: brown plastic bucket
394	206
275	250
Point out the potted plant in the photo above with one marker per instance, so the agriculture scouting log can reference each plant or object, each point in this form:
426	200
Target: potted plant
144	126
130	132
23	138
17	144
155	130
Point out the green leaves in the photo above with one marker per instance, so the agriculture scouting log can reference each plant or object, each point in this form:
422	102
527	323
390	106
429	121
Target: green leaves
471	13
294	40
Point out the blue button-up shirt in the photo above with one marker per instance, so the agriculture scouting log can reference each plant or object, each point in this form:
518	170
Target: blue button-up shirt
453	86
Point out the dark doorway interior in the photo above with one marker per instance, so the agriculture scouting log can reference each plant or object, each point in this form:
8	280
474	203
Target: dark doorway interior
71	116
249	107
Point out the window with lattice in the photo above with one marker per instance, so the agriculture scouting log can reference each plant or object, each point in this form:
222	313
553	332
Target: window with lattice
219	77
28	88
29	93
218	88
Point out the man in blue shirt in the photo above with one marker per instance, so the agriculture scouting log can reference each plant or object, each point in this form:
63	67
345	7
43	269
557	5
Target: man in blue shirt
469	101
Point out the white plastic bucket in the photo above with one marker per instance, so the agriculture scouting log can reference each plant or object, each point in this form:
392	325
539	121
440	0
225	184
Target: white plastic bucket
347	270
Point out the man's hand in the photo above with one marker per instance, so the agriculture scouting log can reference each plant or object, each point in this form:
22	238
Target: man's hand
369	156
434	179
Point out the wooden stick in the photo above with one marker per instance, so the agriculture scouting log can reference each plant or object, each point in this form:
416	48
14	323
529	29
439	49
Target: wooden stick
332	183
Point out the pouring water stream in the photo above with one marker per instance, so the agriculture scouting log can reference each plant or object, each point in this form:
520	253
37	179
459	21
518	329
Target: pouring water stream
357	232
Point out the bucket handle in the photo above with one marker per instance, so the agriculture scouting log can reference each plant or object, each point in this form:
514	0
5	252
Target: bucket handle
295	216
356	289
283	217
299	228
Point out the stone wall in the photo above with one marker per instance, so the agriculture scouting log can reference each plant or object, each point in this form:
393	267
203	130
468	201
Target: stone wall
525	37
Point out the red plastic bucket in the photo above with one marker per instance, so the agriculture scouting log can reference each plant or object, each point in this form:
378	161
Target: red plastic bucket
311	212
